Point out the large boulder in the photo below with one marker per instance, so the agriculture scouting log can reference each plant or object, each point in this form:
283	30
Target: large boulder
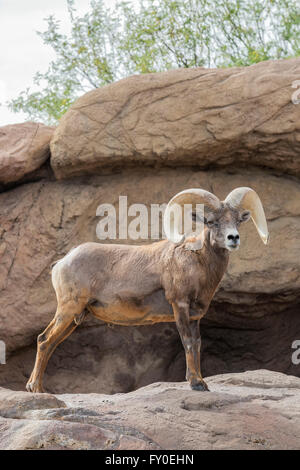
249	411
23	149
191	117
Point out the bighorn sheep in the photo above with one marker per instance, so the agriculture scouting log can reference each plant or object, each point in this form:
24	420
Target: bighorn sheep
172	280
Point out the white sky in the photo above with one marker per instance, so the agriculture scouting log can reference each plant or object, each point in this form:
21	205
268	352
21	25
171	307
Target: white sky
22	52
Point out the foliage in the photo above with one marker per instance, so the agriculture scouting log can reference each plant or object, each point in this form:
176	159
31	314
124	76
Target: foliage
107	44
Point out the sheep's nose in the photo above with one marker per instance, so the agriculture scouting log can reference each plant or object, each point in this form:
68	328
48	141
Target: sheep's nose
233	238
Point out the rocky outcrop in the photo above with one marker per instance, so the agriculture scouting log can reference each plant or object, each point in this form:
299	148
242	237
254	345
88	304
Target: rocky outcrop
23	149
193	128
253	410
15	404
192	117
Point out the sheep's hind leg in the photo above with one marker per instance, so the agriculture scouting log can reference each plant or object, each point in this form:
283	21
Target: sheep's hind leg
64	323
190	341
44	333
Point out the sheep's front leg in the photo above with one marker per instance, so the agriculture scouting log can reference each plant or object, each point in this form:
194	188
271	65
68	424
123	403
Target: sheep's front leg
195	329
190	336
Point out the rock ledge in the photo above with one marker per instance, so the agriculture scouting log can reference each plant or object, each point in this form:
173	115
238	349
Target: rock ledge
251	410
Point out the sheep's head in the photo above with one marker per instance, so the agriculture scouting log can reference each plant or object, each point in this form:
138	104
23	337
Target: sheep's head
223	225
221	217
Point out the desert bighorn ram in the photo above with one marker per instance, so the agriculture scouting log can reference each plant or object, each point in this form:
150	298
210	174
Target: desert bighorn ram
173	280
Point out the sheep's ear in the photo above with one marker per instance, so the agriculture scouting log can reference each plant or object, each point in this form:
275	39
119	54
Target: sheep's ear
245	216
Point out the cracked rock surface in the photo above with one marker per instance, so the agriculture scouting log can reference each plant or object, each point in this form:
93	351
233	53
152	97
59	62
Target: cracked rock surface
251	410
192	117
23	149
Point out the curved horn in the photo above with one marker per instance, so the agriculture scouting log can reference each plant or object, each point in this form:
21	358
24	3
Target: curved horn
249	200
188	196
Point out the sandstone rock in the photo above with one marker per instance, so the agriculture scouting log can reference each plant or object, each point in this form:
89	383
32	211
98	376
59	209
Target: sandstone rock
252	322
191	117
15	404
23	148
47	435
132	443
253	410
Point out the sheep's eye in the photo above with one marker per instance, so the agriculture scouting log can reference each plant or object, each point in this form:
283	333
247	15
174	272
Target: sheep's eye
212	223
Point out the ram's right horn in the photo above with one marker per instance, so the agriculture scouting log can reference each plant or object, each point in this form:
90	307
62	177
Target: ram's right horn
248	199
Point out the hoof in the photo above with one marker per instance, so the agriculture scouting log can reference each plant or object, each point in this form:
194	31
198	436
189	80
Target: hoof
200	387
34	388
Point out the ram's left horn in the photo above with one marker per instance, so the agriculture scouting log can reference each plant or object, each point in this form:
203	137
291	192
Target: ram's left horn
248	199
188	196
